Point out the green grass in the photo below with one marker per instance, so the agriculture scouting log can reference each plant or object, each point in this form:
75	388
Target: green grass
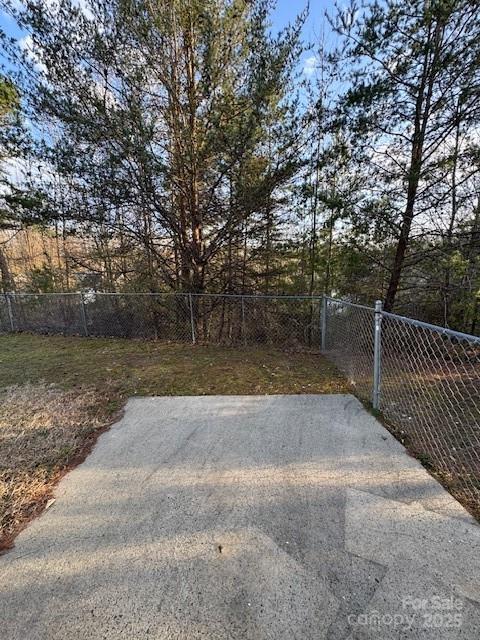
131	367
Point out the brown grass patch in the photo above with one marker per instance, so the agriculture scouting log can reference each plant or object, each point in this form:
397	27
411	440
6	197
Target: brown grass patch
42	430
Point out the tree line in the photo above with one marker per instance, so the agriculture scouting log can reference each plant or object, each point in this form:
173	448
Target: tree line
183	146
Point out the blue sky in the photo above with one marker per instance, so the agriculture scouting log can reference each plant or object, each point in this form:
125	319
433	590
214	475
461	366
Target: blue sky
285	12
8	25
316	25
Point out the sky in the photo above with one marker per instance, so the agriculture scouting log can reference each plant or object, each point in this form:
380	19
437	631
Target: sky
285	12
8	25
316	26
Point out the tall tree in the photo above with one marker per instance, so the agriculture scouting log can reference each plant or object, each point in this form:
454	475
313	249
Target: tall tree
409	62
9	103
156	109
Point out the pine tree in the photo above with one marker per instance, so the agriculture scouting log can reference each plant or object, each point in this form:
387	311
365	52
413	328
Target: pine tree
155	110
409	63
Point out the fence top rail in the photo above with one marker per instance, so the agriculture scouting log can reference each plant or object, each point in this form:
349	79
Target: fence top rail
416	323
257	296
432	327
169	293
46	293
349	304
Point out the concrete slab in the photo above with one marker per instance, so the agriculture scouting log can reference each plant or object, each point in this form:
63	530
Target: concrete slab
245	517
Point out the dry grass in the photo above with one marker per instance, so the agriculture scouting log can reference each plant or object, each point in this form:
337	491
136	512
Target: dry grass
42	430
57	393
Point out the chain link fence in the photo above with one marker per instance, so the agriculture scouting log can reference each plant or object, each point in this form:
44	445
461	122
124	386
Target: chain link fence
219	319
349	343
424	379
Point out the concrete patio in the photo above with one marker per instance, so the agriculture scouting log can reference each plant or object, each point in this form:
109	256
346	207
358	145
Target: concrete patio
245	517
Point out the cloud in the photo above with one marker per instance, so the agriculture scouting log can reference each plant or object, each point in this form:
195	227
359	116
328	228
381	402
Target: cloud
86	8
14	171
27	46
310	65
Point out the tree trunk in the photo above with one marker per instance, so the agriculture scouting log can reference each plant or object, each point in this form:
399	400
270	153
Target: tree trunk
468	284
7	278
401	246
422	113
313	245
451	225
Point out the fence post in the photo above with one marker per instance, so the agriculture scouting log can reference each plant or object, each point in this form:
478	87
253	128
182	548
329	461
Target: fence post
84	314
192	322
377	355
244	334
10	311
324	323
